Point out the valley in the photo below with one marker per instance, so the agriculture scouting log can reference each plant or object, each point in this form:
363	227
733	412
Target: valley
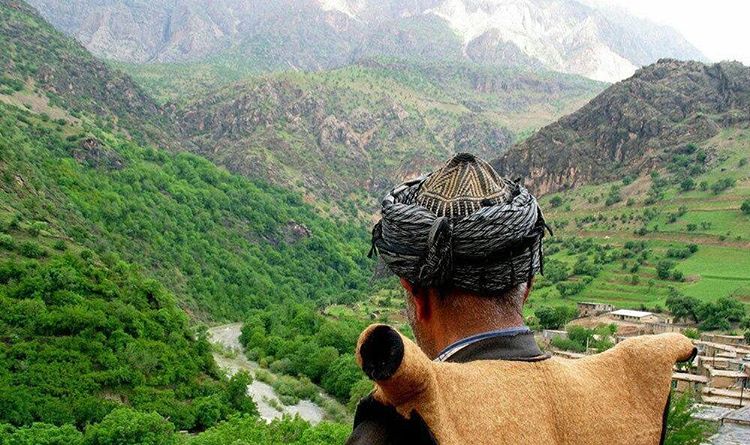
183	242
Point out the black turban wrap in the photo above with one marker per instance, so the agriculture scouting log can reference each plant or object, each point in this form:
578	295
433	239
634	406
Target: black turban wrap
491	250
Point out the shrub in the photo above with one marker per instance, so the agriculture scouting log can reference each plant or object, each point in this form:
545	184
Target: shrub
36	228
556	201
745	207
7	242
664	269
30	249
687	184
126	425
42	434
554	318
722	185
567	344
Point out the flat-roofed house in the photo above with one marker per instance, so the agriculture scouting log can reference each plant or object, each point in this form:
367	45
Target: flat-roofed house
632	316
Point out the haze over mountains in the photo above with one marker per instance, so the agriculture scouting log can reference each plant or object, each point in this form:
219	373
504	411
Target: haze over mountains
561	35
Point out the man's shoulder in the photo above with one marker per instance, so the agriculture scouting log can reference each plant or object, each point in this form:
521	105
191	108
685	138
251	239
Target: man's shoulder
378	424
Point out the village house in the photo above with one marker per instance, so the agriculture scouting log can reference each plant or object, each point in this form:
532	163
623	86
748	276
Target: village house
632	316
590	309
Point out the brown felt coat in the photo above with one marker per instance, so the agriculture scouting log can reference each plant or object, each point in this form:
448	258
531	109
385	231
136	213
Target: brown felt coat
616	397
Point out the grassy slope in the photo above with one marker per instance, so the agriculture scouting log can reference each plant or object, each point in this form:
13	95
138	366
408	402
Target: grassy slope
720	267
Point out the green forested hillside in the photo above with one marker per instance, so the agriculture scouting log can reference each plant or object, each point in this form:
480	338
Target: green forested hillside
84	335
652	241
102	240
57	69
113	250
225	244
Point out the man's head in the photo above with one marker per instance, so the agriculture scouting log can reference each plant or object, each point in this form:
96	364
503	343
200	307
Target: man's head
466	244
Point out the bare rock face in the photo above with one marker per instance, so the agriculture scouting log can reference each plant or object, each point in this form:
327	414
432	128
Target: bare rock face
92	152
294	232
633	124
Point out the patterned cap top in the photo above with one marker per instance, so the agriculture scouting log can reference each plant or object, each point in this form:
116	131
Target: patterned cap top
461	187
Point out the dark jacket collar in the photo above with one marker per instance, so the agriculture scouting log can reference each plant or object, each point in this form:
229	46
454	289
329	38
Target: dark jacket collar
518	347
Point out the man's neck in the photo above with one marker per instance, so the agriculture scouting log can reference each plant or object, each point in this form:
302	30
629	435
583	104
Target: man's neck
459	330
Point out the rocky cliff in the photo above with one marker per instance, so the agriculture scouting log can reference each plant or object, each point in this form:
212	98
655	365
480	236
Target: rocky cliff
634	125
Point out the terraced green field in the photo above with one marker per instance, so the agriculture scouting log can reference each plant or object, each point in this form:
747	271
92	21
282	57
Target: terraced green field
710	218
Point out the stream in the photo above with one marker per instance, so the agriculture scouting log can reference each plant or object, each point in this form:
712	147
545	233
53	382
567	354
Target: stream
228	337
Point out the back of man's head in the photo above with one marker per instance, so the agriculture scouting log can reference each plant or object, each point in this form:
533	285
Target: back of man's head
461	235
462	226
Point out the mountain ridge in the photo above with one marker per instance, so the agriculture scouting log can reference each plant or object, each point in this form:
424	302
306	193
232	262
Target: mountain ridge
355	130
634	125
562	35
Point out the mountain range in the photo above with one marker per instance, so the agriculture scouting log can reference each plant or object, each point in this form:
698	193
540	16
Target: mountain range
562	35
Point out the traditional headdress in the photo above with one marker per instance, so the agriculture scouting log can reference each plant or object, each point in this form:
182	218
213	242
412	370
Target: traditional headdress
462	226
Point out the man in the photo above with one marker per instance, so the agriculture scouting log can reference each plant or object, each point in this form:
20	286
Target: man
466	244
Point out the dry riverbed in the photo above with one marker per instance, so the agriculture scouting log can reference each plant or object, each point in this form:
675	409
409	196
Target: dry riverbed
234	360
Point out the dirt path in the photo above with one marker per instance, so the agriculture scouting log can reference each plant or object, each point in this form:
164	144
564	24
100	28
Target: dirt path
228	337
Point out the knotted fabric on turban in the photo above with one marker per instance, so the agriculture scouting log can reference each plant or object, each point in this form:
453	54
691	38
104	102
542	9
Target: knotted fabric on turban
488	251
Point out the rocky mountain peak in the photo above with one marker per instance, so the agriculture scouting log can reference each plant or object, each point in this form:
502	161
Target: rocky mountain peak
633	125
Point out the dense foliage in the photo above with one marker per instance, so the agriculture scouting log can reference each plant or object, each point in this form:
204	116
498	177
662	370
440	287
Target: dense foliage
223	243
81	337
296	340
126	426
682	427
100	240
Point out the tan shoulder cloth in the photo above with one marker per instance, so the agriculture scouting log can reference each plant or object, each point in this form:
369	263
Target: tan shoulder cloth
616	397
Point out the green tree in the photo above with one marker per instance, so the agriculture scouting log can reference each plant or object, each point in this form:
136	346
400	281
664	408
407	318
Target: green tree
555	270
554	318
683	307
682	428
128	426
745	207
41	434
719	314
342	375
664	269
236	393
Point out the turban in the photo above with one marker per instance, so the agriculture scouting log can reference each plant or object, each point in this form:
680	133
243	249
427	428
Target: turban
461	226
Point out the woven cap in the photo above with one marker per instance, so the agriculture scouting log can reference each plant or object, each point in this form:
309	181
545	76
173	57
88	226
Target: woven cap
464	185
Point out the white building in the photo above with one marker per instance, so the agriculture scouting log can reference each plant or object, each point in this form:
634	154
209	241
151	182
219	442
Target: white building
634	316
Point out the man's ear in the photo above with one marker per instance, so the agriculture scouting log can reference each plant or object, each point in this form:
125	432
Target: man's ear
421	299
528	289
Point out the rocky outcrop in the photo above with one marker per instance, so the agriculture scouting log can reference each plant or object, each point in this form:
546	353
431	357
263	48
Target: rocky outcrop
632	126
92	152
